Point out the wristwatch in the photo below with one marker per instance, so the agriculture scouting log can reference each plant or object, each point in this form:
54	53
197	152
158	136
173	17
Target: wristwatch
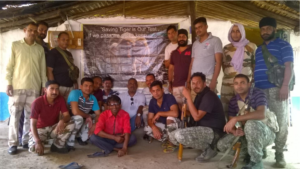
139	114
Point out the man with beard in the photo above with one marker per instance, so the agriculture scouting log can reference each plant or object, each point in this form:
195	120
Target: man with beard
206	122
46	121
133	103
179	66
207	54
277	96
42	34
58	68
25	76
172	36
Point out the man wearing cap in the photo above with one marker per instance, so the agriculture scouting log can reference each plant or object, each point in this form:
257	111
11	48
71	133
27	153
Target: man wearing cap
277	96
179	66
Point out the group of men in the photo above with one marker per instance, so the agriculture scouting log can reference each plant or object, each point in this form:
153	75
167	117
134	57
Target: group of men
257	116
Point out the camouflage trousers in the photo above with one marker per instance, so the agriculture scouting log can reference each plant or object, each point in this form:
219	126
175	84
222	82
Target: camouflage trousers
80	130
257	137
50	132
227	92
21	99
194	137
280	108
163	129
65	91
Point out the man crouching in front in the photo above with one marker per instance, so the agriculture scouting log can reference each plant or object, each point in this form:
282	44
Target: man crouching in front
113	131
46	122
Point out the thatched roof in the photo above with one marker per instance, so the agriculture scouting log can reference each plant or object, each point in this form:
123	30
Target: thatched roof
55	12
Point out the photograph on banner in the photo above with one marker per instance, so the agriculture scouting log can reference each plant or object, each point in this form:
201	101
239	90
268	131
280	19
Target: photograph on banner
125	51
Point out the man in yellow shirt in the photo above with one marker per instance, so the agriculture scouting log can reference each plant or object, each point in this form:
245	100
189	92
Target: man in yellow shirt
25	74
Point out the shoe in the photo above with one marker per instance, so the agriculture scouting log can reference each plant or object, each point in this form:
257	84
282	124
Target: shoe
80	142
12	150
25	146
207	155
265	154
70	148
63	150
280	162
253	165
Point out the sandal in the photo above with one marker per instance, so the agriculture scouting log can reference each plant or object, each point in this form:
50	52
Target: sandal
170	149
165	144
72	165
97	154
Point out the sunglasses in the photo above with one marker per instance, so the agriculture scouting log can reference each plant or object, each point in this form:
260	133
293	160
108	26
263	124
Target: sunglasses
132	101
114	104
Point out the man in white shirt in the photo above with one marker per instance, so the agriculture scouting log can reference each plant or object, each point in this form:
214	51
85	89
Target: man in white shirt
133	103
172	36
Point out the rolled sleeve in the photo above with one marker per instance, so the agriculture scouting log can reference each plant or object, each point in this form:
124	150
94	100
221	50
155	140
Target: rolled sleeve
126	124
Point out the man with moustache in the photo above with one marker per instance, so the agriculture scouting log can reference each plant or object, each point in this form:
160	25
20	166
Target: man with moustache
172	36
207	54
133	103
42	34
58	68
238	58
205	126
277	96
25	76
179	66
47	122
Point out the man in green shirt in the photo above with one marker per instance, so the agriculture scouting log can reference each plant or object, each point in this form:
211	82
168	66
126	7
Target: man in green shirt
25	74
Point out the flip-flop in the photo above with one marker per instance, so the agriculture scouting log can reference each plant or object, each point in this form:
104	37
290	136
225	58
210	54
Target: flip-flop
170	149
72	165
97	154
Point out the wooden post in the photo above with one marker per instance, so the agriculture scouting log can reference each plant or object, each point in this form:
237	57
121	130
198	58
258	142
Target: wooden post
192	8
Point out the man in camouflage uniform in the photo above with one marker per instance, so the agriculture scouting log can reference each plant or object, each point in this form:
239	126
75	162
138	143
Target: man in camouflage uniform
81	103
277	96
206	123
46	121
257	133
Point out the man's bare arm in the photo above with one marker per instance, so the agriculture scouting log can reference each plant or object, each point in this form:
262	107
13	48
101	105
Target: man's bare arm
50	73
34	131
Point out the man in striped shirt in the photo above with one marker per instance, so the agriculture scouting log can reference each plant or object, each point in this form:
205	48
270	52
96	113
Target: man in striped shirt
277	97
257	135
81	102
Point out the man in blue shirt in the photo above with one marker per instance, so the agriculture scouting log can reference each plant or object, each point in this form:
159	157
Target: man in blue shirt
163	111
277	96
81	102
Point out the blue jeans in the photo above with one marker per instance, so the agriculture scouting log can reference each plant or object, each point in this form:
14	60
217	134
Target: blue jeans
108	145
132	123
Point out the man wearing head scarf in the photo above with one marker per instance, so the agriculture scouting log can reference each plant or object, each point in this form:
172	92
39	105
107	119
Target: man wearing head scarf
238	58
277	96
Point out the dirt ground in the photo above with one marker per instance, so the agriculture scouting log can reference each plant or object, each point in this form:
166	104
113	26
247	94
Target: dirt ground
142	155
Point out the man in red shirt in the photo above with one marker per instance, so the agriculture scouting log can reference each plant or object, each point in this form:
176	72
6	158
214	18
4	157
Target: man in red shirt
46	121
113	130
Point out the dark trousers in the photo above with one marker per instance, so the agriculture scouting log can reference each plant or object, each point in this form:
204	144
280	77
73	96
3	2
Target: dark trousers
108	145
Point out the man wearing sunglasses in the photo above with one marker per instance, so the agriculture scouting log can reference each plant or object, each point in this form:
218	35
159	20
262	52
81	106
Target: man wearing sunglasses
112	130
133	103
